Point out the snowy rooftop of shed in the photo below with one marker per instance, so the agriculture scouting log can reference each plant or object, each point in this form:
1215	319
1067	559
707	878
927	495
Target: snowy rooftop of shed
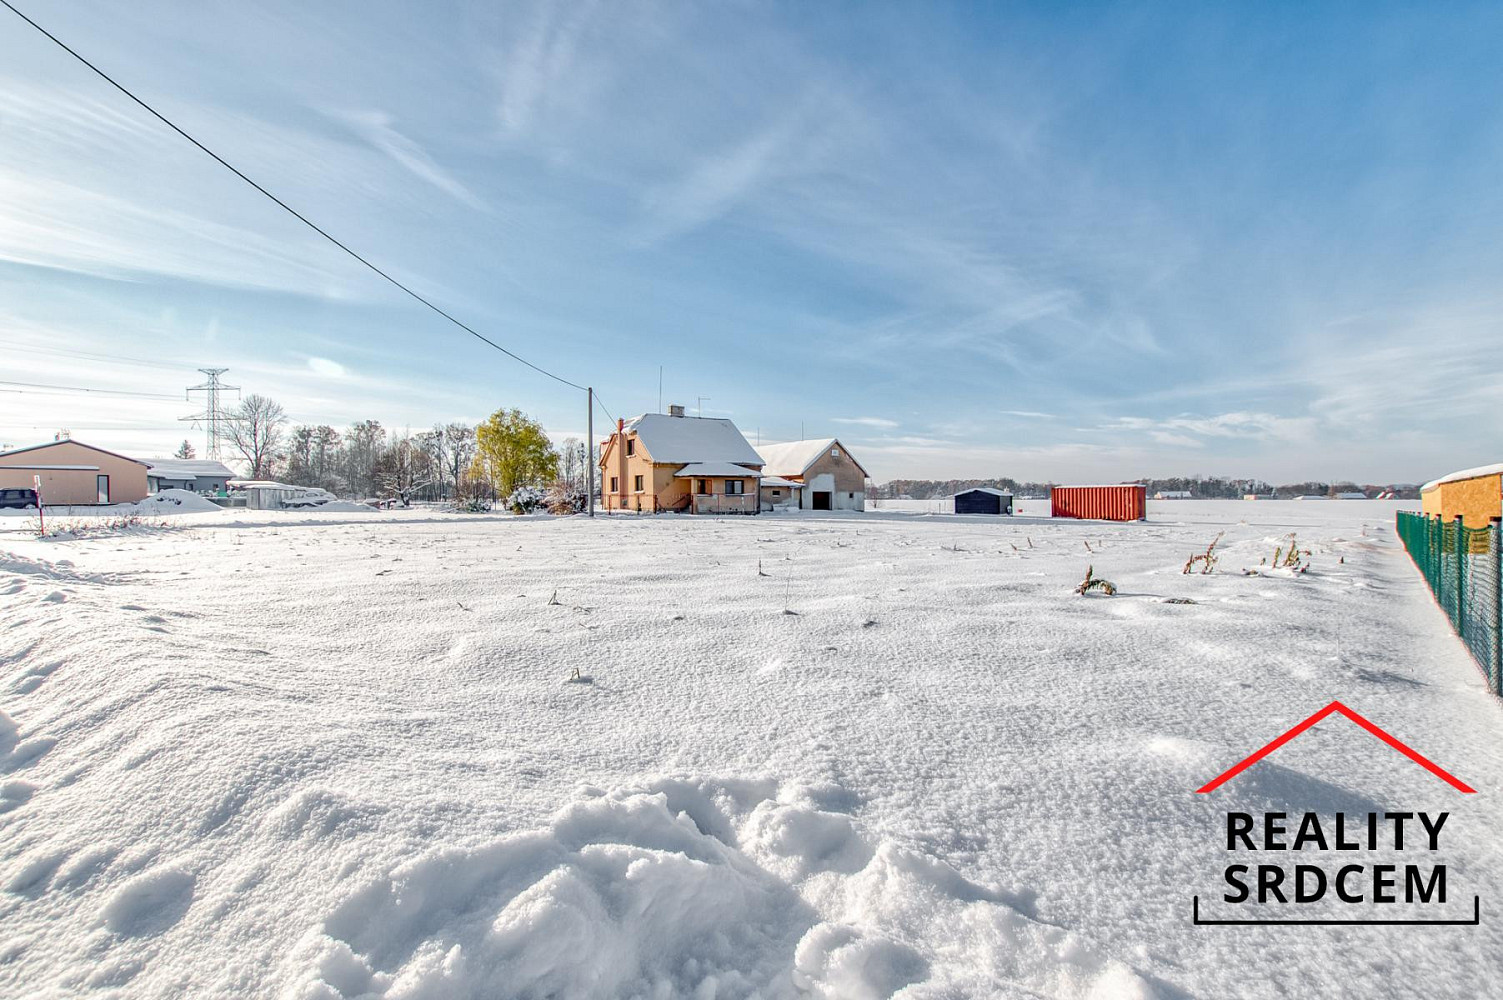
1456	477
189	468
692	439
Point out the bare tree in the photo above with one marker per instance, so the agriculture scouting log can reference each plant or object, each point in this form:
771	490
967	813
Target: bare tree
363	444
401	469
437	451
571	467
459	442
254	430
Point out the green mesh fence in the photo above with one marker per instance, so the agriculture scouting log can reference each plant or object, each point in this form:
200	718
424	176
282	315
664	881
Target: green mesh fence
1461	565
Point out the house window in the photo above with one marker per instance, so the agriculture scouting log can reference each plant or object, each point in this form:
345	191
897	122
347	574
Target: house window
615	485
735	487
102	487
777	493
631	447
834	452
850	496
636	483
702	487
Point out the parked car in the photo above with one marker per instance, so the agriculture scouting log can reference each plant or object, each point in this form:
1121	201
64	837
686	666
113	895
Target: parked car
18	498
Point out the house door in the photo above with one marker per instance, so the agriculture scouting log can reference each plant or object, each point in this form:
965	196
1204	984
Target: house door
822	499
102	484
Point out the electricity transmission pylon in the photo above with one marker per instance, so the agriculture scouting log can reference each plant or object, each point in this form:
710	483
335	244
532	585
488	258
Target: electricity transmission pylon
212	416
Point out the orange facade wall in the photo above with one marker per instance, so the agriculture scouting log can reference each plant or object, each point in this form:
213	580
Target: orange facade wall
1477	500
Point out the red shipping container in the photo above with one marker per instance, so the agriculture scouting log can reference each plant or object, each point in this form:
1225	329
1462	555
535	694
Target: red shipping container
1100	503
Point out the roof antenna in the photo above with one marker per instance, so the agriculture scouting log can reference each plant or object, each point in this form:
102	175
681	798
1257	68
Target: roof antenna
701	404
660	388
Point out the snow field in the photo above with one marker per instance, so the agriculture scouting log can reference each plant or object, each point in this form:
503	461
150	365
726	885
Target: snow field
322	756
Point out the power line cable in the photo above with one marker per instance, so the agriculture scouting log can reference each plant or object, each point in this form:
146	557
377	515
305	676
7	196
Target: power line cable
91	356
288	208
80	388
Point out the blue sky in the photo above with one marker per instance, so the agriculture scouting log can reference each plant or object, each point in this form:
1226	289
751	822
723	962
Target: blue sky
1063	241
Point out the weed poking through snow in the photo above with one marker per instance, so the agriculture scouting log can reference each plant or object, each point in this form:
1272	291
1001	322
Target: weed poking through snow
1093	582
1206	560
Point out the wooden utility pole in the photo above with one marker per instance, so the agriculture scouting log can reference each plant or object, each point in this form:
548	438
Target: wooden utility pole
590	447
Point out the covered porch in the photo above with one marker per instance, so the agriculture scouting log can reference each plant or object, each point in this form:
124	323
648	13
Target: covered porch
721	488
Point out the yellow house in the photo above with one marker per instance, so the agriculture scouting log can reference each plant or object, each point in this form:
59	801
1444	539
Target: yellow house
661	462
74	473
1475	494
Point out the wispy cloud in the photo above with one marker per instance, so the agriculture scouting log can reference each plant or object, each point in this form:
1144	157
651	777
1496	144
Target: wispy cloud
718	181
326	368
376	128
1241	424
535	68
882	422
55	224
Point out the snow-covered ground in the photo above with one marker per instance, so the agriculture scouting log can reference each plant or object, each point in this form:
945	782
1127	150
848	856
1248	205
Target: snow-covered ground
333	755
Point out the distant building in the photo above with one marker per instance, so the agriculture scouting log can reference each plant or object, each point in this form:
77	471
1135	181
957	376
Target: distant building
1172	495
1351	496
982	500
74	473
1476	495
194	474
661	462
828	476
266	494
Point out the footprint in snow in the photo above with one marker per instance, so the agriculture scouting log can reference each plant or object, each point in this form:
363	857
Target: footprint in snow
149	904
15	794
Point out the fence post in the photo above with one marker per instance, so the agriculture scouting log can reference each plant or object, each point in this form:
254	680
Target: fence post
1496	530
1461	560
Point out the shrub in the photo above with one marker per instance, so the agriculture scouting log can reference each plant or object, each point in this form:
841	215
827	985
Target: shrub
564	498
526	499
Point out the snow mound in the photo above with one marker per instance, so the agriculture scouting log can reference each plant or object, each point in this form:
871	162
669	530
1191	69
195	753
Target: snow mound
695	888
344	506
175	502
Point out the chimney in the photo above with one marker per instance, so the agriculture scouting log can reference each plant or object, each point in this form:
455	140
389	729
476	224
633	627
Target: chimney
675	410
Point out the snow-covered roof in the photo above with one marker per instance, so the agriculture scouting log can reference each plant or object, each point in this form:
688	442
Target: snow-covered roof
780	481
1479	471
708	469
188	468
271	484
54	444
692	439
793	458
984	489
